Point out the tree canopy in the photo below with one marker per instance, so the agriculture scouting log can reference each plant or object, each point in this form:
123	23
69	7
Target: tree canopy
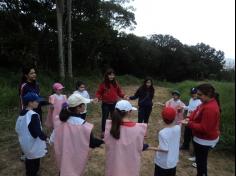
28	33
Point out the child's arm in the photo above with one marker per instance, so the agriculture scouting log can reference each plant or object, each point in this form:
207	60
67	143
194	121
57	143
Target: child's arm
136	95
157	149
35	128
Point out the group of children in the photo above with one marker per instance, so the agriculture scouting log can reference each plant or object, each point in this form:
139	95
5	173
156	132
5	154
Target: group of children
72	135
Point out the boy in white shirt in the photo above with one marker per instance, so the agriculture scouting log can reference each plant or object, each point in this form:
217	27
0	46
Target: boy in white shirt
167	153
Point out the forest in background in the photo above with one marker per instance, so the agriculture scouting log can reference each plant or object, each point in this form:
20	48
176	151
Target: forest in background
29	28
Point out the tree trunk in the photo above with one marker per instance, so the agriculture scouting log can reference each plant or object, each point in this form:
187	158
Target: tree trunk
60	11
70	72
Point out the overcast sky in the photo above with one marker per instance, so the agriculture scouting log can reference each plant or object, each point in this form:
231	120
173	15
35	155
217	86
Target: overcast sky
190	21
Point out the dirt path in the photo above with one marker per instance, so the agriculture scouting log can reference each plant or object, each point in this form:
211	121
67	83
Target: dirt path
219	163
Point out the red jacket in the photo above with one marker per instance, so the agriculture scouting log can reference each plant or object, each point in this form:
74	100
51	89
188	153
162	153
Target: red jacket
205	121
109	95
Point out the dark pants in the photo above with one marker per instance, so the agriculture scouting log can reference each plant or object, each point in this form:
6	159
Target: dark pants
83	116
187	137
144	114
201	153
164	172
107	109
32	166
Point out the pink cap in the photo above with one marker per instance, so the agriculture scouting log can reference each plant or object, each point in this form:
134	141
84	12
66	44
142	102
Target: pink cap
57	86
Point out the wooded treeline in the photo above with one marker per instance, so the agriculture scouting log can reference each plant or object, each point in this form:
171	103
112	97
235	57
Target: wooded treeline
29	33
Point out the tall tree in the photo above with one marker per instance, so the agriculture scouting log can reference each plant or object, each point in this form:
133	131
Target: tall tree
60	12
70	71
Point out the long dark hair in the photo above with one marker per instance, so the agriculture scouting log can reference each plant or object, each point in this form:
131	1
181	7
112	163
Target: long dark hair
66	112
78	84
25	71
116	123
144	88
209	90
106	78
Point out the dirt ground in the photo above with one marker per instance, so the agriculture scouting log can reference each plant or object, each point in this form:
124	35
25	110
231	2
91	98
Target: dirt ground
219	163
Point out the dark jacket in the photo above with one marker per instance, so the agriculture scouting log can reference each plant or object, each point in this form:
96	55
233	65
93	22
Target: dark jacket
144	95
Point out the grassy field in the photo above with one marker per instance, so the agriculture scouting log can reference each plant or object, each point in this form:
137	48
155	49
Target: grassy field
9	149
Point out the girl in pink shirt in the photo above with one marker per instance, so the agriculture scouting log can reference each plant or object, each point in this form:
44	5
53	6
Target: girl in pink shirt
56	100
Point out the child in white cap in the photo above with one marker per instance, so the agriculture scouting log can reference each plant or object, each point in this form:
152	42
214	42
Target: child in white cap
124	142
73	138
56	101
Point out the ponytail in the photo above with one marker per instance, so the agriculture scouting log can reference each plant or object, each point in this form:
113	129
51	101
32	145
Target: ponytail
116	123
217	98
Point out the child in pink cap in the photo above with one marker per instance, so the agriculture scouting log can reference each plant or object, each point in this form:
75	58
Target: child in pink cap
56	100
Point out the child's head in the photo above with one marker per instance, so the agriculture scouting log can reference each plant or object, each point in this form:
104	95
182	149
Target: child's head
148	83
109	75
193	93
57	88
80	86
123	109
31	100
175	94
168	115
75	105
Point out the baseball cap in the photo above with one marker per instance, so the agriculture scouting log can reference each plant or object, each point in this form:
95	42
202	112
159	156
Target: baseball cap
175	92
168	114
76	100
124	105
57	86
31	96
193	90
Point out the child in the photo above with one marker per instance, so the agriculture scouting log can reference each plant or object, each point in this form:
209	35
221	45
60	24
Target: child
167	154
123	142
145	94
109	92
73	138
194	102
80	89
177	104
56	100
31	138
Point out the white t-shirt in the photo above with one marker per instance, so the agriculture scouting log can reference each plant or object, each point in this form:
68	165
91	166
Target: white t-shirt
193	104
169	139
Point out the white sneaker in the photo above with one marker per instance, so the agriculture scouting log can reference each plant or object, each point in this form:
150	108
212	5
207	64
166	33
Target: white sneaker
192	159
194	165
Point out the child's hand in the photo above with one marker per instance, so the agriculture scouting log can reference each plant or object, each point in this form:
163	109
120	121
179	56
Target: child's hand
184	122
161	104
126	97
153	148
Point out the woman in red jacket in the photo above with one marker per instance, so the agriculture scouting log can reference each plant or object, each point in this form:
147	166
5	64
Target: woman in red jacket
205	123
109	92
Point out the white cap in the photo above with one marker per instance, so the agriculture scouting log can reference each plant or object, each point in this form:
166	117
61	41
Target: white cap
76	99
124	105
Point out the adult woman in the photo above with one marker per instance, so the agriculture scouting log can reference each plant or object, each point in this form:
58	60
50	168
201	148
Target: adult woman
29	84
205	123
